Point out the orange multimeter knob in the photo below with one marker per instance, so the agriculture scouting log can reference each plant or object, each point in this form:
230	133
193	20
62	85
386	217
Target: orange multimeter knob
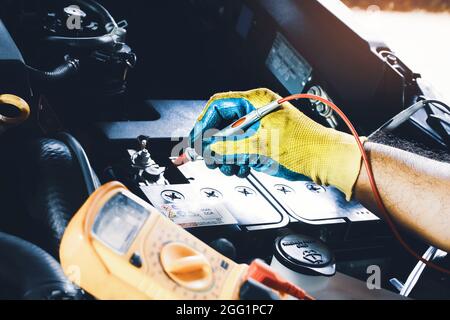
186	266
239	122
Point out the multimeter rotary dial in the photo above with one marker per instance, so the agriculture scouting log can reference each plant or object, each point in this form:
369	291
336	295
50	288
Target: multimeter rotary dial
186	266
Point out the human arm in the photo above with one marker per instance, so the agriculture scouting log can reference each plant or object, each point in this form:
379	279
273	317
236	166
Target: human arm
414	189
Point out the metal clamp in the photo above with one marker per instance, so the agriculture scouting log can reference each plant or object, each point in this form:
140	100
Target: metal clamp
405	289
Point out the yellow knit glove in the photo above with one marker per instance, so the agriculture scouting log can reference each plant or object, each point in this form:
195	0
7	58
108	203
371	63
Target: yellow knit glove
285	143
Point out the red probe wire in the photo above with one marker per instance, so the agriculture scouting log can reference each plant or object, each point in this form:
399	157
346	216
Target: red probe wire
264	274
370	174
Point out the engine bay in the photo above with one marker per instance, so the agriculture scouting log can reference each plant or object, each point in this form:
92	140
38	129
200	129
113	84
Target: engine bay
115	88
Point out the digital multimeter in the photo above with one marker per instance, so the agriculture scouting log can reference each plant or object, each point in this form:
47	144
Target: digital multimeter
119	247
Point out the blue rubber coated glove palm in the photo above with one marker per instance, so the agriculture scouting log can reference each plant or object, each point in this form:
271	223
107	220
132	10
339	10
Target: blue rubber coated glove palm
222	110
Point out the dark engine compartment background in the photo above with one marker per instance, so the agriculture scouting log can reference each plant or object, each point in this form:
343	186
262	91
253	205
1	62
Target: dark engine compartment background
192	49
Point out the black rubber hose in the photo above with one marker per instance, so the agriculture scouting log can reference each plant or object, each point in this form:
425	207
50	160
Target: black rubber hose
62	72
32	272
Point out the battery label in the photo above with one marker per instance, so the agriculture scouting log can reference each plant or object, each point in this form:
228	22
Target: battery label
202	215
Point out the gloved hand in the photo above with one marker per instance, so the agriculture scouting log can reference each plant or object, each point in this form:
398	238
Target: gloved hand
285	143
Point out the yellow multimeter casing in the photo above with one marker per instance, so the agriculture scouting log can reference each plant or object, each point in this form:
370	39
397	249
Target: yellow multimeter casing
119	247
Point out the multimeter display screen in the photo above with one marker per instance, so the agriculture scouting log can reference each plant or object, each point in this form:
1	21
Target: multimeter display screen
119	221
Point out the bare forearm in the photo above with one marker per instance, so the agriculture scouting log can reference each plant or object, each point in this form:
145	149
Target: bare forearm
414	189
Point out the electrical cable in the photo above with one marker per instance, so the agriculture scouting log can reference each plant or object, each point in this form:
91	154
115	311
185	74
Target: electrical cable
261	272
370	175
90	179
440	103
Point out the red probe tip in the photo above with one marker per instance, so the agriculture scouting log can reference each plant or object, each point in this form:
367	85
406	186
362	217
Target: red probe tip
262	273
183	159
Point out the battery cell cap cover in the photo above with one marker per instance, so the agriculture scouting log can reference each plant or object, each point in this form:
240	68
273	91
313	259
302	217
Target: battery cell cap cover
305	255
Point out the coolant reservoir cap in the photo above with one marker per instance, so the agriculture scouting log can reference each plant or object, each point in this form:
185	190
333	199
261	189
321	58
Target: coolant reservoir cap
305	255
